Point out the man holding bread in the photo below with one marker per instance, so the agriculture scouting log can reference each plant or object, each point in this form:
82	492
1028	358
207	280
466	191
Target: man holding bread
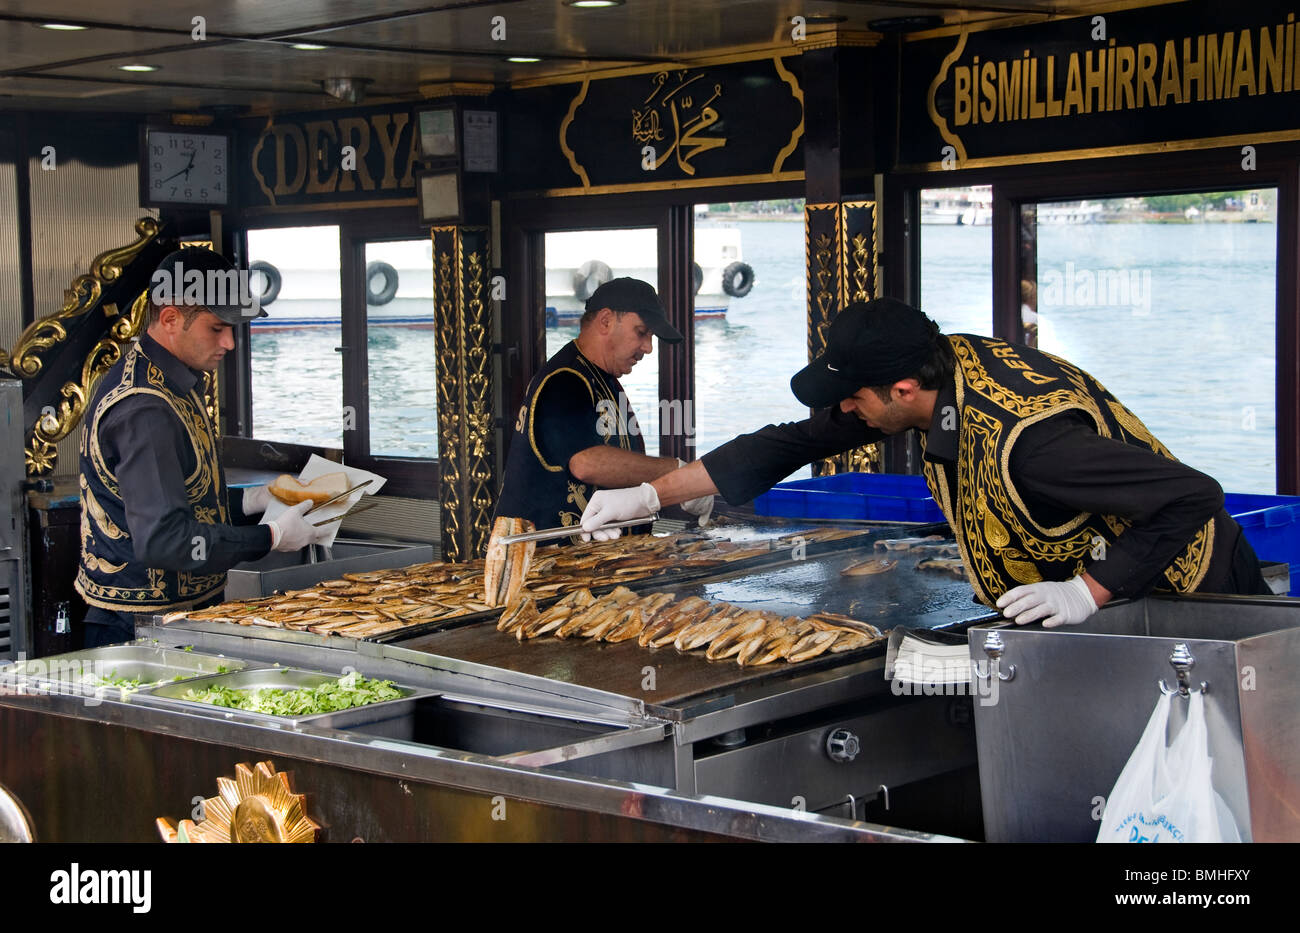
159	528
575	432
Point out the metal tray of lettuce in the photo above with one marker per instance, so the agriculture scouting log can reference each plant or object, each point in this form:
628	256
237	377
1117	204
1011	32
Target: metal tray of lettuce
85	670
285	678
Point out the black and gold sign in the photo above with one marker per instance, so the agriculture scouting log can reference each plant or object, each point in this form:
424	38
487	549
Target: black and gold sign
677	126
1194	74
364	157
254	806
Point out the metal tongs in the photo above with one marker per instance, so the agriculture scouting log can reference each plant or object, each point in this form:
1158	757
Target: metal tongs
343	495
548	534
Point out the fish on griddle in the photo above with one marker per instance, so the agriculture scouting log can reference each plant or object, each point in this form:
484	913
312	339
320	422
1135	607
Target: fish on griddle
951	566
505	568
868	567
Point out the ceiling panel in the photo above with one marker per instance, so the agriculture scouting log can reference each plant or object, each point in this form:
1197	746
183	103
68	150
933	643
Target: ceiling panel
400	44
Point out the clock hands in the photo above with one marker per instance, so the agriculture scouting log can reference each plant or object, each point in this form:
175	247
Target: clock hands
185	171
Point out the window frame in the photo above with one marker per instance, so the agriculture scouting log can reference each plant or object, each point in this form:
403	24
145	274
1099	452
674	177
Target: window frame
1278	166
414	477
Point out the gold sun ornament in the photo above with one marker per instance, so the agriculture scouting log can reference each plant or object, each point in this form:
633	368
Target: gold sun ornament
257	806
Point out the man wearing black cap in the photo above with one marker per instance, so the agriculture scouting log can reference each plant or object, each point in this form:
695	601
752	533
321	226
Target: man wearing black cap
1059	496
575	431
159	529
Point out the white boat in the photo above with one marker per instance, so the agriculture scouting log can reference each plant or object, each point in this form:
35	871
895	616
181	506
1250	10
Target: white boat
301	284
963	207
297	271
579	261
1069	212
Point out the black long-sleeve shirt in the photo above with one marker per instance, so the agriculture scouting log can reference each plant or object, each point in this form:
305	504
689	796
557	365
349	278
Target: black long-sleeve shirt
1060	466
142	439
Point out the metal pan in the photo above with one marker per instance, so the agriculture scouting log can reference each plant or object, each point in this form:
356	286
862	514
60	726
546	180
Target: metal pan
150	665
285	678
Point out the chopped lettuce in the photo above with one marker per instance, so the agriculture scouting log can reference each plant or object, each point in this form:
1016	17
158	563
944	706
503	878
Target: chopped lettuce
344	693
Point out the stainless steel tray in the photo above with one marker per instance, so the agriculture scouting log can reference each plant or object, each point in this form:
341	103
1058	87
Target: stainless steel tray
398	713
151	665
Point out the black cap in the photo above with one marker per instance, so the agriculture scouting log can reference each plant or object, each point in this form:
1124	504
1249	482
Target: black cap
870	343
197	276
627	294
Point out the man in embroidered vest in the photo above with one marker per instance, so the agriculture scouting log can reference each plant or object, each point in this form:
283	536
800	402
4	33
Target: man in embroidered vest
1059	497
576	431
159	529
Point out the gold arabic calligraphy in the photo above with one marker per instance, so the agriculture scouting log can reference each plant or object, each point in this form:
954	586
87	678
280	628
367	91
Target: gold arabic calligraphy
687	120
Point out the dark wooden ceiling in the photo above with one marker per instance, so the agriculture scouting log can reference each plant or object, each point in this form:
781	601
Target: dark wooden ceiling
247	64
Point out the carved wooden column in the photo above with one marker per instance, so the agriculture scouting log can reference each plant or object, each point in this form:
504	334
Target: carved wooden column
463	337
841	261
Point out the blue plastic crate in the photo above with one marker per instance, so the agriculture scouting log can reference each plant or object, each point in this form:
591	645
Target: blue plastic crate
1272	526
880	497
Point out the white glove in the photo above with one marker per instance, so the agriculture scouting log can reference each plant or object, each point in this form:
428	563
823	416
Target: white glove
703	506
291	532
1056	604
607	506
256	499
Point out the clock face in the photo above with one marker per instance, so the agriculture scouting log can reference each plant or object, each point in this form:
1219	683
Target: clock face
186	168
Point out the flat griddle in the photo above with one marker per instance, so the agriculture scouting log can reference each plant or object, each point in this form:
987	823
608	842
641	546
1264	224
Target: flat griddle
900	596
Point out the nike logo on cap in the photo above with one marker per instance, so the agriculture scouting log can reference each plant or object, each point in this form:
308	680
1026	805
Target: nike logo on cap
831	368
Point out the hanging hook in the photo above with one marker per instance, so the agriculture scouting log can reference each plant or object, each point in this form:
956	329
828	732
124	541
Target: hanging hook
1181	660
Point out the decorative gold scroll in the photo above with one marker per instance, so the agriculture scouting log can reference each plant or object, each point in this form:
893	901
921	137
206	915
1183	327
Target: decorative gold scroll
80	297
466	438
257	805
840	256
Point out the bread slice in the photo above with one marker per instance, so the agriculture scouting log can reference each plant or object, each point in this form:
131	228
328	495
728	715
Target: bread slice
323	488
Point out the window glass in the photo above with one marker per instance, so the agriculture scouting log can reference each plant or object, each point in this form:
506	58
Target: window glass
751	318
297	374
579	261
957	258
401	349
1170	302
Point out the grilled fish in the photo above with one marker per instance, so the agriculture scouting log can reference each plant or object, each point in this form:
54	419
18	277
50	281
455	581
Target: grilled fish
948	565
506	566
867	567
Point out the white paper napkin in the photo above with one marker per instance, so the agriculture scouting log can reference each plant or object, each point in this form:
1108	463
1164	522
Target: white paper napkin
317	467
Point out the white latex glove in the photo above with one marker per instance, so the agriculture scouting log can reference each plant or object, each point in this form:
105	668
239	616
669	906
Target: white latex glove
607	506
292	532
702	507
256	499
1056	604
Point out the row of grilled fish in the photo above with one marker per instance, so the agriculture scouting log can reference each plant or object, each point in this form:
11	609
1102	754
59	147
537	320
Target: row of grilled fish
751	636
366	604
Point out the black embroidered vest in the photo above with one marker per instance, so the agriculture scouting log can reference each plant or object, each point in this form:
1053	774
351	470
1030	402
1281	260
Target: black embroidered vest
1003	388
547	494
110	577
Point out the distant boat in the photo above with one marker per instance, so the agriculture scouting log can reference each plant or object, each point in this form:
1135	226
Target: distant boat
1069	212
580	261
963	207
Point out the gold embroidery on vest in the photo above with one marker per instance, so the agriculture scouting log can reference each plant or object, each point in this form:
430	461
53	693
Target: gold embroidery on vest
105	524
988	515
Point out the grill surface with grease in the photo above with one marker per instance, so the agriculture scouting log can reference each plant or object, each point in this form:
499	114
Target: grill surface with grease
902	595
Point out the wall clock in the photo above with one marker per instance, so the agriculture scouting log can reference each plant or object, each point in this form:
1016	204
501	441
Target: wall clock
183	167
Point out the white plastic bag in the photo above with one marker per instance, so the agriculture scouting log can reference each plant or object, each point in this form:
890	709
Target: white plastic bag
1165	794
